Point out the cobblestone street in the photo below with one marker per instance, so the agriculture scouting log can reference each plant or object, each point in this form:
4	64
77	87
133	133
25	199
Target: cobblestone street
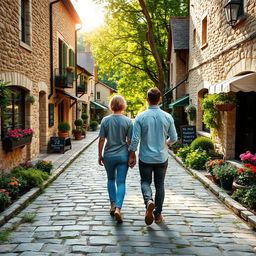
72	219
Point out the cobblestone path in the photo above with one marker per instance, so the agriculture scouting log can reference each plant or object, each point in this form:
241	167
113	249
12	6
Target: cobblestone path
71	218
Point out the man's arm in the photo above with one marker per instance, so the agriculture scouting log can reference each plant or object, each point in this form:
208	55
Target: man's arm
100	148
172	134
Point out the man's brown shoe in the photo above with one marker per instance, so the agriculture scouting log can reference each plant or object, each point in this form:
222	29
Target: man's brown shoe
159	219
118	217
149	217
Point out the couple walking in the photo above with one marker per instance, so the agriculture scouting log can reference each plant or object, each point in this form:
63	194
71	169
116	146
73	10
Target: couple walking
151	128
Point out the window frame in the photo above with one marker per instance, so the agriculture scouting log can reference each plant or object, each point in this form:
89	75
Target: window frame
204	31
98	95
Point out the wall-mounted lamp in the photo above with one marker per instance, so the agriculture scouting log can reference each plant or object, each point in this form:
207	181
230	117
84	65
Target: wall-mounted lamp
232	11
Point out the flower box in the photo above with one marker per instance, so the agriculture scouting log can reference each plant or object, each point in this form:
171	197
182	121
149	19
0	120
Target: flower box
9	144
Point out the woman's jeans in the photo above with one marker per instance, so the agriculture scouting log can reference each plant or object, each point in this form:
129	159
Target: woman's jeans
116	167
146	172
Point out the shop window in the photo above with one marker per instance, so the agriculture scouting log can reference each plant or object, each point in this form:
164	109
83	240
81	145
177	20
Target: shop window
25	22
98	95
204	31
13	117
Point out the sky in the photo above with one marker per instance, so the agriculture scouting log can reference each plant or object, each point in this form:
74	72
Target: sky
90	13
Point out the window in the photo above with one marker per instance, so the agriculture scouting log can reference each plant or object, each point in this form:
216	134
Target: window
62	57
25	22
71	58
14	115
194	37
241	9
98	95
204	31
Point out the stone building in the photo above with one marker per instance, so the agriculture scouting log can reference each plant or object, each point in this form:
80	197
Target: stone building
35	51
222	59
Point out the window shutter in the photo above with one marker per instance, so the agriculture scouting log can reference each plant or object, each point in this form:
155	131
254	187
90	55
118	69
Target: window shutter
64	55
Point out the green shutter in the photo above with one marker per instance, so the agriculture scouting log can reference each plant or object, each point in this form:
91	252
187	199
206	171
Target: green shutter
65	48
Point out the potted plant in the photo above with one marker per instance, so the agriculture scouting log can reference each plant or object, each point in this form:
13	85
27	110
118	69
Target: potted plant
5	199
225	101
226	174
246	177
78	131
94	125
209	165
44	166
191	112
30	99
64	128
17	138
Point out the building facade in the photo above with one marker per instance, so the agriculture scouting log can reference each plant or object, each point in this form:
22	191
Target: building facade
34	50
221	54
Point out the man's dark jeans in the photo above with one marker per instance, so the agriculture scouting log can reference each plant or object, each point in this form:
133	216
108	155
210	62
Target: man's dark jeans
146	173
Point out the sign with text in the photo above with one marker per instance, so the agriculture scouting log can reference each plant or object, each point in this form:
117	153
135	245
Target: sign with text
59	144
188	134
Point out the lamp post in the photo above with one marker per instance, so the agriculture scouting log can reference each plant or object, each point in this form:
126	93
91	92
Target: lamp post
232	11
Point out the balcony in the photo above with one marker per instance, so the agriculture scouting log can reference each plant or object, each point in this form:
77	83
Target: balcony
64	78
82	87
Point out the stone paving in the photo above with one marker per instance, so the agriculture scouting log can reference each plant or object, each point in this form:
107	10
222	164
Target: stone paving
71	218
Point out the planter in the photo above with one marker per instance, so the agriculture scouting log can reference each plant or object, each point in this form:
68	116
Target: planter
237	186
9	144
63	134
226	184
225	107
77	135
94	128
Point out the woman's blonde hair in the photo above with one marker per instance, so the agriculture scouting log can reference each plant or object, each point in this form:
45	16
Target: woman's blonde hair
117	103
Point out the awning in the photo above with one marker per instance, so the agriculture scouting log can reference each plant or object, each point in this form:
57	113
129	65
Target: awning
243	83
181	102
70	95
97	105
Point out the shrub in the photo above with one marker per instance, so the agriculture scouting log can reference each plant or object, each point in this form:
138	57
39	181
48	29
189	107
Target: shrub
79	122
250	197
239	194
44	166
64	127
225	172
85	116
197	159
25	165
209	165
5	199
182	152
247	175
94	123
203	143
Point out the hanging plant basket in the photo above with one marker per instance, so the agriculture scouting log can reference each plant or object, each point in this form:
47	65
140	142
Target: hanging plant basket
225	106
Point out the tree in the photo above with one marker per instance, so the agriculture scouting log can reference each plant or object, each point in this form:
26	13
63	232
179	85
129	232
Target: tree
133	42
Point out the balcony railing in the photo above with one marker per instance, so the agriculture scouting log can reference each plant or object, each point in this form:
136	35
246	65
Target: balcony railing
82	87
64	78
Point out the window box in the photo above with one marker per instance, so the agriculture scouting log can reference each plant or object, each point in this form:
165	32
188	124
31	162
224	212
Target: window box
9	144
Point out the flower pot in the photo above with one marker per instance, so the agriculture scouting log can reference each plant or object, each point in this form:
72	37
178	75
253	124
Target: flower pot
226	184
237	186
77	135
9	144
63	134
225	107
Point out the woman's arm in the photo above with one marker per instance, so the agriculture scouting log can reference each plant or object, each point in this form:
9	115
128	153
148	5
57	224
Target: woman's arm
100	148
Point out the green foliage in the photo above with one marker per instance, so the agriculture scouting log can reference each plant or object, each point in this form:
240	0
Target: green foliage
94	123
222	98
197	159
250	197
239	194
182	152
44	166
64	127
203	143
225	172
30	99
5	93
28	217
123	52
191	112
5	199
209	165
85	116
78	122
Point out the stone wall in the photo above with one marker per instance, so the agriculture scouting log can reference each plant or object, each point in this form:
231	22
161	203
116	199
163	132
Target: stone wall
230	51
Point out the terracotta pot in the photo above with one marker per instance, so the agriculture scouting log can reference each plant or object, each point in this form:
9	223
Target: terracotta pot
78	135
63	134
225	107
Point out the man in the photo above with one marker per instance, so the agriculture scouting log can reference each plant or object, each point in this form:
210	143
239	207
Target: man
151	129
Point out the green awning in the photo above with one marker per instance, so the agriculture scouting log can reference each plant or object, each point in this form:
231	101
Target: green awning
97	105
181	102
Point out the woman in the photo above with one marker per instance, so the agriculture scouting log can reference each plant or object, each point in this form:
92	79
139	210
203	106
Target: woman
117	130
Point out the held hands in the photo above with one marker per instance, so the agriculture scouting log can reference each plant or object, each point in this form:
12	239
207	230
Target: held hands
132	159
100	160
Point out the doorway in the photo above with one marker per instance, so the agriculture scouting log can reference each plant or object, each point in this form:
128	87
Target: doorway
245	123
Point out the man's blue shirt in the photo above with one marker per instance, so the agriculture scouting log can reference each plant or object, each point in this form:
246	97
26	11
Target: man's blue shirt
151	129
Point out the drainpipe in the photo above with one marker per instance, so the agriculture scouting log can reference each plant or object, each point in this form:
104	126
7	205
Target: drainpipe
76	65
51	49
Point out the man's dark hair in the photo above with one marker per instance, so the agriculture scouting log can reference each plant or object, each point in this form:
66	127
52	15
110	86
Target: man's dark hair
153	95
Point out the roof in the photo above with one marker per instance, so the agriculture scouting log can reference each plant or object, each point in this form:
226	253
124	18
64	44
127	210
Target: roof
85	71
70	7
72	96
180	32
114	90
97	105
86	61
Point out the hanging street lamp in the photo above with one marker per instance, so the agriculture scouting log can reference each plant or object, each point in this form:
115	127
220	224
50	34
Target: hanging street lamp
232	11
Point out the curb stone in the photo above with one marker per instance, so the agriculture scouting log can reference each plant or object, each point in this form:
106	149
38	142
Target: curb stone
236	207
20	204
